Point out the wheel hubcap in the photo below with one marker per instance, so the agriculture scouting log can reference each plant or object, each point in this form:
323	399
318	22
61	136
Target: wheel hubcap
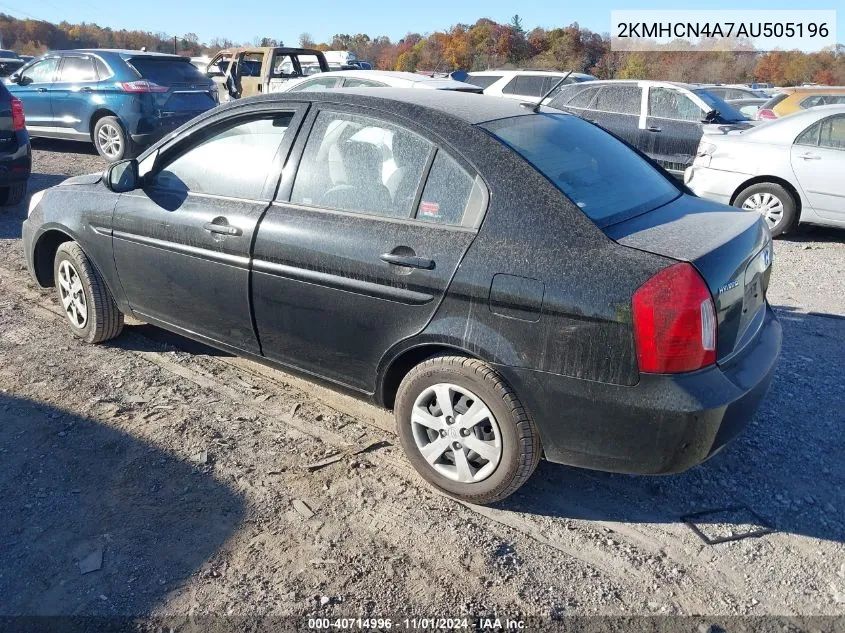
108	138
72	295
766	204
456	433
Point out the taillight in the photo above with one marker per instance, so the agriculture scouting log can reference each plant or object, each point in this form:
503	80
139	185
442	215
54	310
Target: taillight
674	322
765	114
18	118
141	85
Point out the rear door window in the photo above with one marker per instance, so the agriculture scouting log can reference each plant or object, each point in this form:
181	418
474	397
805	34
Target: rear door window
605	178
165	72
75	69
446	193
527	85
619	99
360	164
482	81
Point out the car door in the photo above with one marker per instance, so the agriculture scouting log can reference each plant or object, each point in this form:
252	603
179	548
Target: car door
34	89
344	266
818	160
616	108
74	93
182	243
672	128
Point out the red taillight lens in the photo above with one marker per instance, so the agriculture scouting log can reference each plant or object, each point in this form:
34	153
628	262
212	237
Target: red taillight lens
18	118
141	85
674	322
766	114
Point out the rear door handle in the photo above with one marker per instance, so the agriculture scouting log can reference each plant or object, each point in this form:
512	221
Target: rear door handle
86	89
809	156
408	261
40	90
223	229
652	128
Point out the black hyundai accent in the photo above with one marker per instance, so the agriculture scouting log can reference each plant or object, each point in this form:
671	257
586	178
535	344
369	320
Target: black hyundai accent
511	281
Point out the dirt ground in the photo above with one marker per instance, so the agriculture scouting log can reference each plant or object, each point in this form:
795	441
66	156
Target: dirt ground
177	478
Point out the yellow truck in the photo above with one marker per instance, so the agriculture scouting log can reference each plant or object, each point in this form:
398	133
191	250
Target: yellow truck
245	72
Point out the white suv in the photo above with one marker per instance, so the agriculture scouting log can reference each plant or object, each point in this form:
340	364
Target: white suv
522	84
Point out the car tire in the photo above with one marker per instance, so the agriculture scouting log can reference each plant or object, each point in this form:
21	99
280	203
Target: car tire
111	140
437	442
87	303
774	202
13	194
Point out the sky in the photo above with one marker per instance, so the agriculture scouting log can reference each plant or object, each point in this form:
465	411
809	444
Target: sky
286	20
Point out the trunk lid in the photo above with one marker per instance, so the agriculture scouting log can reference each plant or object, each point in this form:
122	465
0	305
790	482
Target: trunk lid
731	249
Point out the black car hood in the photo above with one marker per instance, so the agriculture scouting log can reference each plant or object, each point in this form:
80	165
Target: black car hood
87	179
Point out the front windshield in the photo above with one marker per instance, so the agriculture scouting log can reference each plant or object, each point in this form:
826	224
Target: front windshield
605	178
726	111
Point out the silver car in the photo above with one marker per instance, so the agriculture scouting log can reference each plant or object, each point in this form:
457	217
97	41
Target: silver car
790	170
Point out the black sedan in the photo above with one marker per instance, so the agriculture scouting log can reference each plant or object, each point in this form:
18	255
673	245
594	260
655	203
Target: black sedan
15	150
512	281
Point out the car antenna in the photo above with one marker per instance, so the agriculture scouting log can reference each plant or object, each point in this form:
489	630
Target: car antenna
535	107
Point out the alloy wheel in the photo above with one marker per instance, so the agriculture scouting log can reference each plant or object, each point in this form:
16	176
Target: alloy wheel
766	204
456	433
109	140
73	295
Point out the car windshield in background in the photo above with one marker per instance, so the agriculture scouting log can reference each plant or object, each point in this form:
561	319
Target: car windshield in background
606	179
726	111
168	71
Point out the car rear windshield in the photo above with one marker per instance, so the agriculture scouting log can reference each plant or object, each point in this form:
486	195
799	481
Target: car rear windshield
608	180
726	111
167	71
771	103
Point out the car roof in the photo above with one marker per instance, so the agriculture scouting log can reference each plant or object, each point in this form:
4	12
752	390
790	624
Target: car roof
646	82
122	52
525	71
468	107
798	90
388	75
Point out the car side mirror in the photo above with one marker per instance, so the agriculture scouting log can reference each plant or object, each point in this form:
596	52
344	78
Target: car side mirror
123	176
21	80
710	116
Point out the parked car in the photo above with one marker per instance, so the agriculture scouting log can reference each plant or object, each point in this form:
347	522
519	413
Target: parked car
246	72
733	93
375	79
522	85
15	152
664	120
509	282
790	170
791	100
120	100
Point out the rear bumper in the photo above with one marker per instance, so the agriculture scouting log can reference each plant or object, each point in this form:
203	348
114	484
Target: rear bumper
713	184
663	424
16	165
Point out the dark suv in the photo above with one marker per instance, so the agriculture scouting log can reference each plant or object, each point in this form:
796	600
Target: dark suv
121	100
15	153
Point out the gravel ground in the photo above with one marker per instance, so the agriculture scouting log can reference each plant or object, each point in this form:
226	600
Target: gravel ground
176	478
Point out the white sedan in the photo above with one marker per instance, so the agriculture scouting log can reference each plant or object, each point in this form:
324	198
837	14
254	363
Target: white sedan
375	79
790	170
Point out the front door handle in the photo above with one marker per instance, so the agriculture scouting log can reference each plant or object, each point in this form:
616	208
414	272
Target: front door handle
86	89
40	90
408	261
652	128
809	156
223	229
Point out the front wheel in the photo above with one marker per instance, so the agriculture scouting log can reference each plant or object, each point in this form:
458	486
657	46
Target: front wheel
464	430
87	303
773	202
